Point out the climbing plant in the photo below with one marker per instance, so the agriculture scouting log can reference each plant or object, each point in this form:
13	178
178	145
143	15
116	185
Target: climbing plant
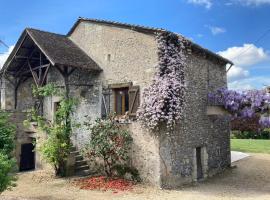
244	105
56	148
164	99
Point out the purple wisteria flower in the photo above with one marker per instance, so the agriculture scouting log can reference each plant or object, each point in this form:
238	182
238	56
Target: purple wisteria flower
244	104
164	99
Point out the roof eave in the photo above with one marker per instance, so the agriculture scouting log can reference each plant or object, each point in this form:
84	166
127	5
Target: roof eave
212	53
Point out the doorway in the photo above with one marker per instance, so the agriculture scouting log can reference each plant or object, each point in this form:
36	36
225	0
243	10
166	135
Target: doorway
199	163
27	161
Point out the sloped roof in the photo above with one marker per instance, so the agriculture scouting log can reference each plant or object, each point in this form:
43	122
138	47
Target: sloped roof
58	49
146	29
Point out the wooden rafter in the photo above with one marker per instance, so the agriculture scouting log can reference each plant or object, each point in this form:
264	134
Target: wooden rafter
43	78
39	79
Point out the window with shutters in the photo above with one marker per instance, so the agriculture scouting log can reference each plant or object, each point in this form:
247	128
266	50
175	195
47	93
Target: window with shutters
125	100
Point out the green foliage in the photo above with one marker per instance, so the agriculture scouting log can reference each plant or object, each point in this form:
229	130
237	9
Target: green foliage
56	148
250	134
7	134
44	91
109	142
7	179
7	164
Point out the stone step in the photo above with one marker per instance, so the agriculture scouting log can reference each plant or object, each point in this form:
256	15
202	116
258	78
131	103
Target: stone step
78	158
73	149
82	167
76	153
83	172
80	163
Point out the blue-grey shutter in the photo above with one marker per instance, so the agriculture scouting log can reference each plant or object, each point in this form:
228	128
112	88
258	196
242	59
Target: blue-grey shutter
105	102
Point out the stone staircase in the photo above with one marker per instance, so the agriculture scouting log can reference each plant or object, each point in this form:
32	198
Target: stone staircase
81	166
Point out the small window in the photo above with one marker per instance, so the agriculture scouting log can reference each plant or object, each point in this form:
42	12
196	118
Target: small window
121	101
56	106
109	57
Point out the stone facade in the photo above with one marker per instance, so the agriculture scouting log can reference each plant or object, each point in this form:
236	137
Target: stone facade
127	56
197	129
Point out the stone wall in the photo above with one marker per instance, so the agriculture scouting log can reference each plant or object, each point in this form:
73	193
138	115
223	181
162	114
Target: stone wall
25	99
196	129
7	94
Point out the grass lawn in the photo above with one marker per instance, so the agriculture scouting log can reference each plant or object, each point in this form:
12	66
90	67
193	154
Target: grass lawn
249	145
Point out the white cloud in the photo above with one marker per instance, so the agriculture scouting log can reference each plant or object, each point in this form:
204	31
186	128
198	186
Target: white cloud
206	3
256	82
4	56
246	55
237	73
253	2
215	30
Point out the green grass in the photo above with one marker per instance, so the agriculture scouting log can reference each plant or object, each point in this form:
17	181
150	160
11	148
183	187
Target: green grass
250	145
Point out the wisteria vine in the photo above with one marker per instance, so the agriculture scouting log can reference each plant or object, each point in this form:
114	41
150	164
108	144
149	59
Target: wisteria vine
164	99
246	104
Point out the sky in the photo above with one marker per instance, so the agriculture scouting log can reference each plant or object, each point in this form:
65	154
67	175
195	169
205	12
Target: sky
236	29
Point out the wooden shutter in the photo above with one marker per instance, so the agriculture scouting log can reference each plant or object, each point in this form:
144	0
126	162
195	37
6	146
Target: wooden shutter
134	100
105	102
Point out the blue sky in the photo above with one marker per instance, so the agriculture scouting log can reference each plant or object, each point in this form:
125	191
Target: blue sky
228	27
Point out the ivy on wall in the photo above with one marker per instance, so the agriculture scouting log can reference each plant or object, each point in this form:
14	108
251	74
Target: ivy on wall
164	99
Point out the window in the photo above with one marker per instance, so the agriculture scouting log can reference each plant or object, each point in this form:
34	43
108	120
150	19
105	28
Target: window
56	106
125	100
121	101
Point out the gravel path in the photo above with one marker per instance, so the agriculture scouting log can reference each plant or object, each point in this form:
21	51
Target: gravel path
249	180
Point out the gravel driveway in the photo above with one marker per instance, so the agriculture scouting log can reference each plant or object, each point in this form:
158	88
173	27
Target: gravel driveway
249	180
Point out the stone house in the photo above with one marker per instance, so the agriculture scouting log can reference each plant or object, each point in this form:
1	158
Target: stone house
107	65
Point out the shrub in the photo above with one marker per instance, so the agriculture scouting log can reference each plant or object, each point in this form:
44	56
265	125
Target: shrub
250	135
7	178
7	164
7	135
109	142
